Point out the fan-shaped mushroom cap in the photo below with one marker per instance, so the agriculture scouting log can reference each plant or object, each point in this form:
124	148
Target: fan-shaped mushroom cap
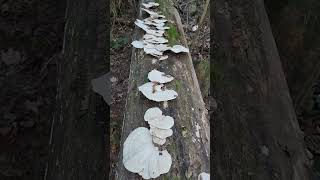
150	4
160	77
204	176
160	133
159	21
141	156
138	143
158	33
154	92
149	11
162	27
156	119
152	113
141	25
179	49
138	44
152	51
162	47
154	39
158	141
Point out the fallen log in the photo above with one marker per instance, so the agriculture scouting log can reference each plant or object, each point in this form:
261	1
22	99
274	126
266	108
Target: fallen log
190	154
255	132
77	143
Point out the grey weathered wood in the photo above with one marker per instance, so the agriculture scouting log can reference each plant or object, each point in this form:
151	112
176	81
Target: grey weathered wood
190	154
255	132
77	144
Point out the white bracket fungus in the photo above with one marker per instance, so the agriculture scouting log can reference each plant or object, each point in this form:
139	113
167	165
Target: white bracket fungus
138	44
160	77
142	157
149	12
150	4
204	176
154	91
159	125
141	25
160	133
158	141
179	49
155	118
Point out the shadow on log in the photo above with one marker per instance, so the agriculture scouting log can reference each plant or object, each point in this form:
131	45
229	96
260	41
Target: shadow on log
255	132
190	154
78	146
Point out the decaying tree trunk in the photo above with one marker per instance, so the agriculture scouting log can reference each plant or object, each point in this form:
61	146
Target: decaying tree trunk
77	142
255	131
190	154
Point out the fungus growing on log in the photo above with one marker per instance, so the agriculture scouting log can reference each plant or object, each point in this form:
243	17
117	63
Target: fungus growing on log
150	4
179	49
154	91
159	125
142	157
160	77
138	44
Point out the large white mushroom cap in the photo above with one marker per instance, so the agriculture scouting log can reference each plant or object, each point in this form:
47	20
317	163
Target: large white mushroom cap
155	92
141	156
160	77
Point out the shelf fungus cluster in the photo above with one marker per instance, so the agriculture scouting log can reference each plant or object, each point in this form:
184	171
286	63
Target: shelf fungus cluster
140	154
156	90
153	42
142	157
160	125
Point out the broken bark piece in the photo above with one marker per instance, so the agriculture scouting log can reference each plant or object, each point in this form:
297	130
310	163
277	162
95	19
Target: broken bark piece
101	85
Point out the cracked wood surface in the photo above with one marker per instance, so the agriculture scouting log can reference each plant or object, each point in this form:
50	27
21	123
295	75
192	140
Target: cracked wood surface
190	155
256	133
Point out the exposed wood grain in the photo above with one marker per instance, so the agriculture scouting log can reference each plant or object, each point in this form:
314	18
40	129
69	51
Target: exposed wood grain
190	154
255	131
77	145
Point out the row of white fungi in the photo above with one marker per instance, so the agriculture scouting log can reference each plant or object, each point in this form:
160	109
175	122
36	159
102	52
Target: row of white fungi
140	155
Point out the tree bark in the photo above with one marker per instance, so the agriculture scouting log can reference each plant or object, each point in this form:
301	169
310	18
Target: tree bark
190	154
255	132
77	143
